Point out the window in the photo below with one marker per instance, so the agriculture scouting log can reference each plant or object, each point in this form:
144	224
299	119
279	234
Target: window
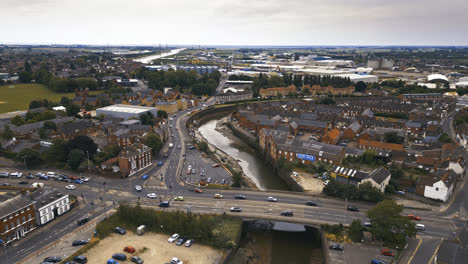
6	228
29	216
17	222
28	209
24	219
12	225
437	188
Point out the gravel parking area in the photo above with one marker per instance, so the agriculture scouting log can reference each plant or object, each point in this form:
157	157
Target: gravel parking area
309	183
158	250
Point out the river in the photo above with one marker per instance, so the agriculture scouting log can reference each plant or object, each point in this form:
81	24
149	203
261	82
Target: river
148	59
253	167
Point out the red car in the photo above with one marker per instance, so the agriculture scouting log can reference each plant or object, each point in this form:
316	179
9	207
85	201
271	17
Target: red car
129	249
387	252
197	190
413	217
73	178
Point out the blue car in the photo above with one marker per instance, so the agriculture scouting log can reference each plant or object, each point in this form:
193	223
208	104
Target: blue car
160	163
111	261
144	177
78	181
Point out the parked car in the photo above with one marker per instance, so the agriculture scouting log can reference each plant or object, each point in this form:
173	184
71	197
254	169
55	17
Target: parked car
144	177
240	197
119	256
23	182
137	260
287	213
236	209
173	238
176	261
413	217
311	203
53	259
78	181
387	252
179	198
80	242
73	178
180	241
223	181
218	196
112	261
152	195
353	209
189	242
208	180
197	190
82	221
30	176
16	174
70	187
80	259
215	165
138	188
129	249
336	247
367	224
120	230
85	179
272	199
160	163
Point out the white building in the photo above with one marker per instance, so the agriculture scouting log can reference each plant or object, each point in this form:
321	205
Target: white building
367	78
440	186
125	111
379	178
49	204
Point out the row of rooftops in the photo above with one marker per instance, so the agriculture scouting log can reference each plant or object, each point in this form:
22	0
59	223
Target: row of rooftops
378	175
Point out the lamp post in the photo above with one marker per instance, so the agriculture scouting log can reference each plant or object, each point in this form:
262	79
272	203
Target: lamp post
89	169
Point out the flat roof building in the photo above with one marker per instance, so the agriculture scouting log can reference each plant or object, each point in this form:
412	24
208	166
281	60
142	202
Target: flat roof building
126	111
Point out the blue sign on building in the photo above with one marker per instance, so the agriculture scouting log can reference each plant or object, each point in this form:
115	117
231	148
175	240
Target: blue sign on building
305	157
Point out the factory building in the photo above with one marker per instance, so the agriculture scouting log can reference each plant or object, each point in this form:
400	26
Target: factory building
126	111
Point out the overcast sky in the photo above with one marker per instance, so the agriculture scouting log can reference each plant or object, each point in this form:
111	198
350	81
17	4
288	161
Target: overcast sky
235	22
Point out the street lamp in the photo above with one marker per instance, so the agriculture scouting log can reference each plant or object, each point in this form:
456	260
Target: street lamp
89	169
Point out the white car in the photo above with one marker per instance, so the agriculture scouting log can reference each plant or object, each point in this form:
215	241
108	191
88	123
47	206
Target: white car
70	187
420	227
84	179
176	261
138	188
39	174
16	174
173	238
272	199
152	195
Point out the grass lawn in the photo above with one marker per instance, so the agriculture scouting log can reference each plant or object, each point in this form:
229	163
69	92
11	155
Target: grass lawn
16	97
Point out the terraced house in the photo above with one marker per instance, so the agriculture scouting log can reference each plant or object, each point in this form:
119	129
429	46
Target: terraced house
17	216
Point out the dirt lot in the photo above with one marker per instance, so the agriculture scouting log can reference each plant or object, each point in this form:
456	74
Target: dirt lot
158	250
309	183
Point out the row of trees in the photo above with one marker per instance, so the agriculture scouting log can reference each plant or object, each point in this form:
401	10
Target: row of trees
365	192
198	84
32	117
369	158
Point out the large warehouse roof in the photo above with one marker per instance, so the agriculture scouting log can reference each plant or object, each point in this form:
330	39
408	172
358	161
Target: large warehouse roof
134	109
437	77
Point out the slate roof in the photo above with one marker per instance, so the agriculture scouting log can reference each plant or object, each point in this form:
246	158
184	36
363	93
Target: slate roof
309	116
12	204
379	175
46	196
355	127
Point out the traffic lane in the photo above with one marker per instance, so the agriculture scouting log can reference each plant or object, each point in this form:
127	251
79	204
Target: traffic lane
426	250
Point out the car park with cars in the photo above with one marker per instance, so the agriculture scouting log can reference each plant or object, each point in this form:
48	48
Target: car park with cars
53	259
120	230
119	256
176	261
80	259
129	249
173	238
180	241
137	260
189	242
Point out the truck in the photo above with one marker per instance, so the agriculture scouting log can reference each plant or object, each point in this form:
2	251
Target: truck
171	145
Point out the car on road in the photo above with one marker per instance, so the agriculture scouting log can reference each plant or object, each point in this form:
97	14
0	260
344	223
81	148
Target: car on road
176	261
387	252
144	177
160	163
70	187
178	146
6	184
129	249
85	179
189	242
377	261
353	209
236	209
138	188
137	260
4	174
223	181
311	203
413	217
120	230
336	247
215	165
420	227
207	180
272	199
30	176
367	224
23	182
80	242
180	241
240	197
16	174
152	195
53	259
218	196
119	256
164	204
194	171
179	198
78	181
198	190
287	213
83	220
173	238
80	259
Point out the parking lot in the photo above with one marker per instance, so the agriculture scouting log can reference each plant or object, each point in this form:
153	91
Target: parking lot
357	254
198	162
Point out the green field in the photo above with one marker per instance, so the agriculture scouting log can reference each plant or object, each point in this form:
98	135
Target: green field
18	96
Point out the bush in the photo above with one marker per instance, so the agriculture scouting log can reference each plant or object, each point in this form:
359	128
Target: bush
365	192
355	231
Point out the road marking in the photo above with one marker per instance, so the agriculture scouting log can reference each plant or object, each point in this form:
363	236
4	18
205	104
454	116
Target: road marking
416	250
435	252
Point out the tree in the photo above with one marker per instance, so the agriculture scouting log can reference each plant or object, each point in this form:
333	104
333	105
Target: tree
162	113
393	137
27	66
25	77
7	133
153	141
73	110
444	138
84	143
355	231
32	157
203	146
17	120
389	226
75	158
58	152
146	119
360	87
327	101
367	192
49	125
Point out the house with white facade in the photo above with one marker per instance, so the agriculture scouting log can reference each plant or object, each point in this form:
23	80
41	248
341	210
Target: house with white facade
50	203
379	178
439	186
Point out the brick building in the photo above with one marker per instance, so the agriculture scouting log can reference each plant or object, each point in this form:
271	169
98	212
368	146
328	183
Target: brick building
134	158
277	91
17	217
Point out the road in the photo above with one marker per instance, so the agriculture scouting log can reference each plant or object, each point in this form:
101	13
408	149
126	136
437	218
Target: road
105	193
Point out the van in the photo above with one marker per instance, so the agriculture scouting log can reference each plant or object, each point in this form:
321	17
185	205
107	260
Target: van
141	230
164	204
51	174
420	227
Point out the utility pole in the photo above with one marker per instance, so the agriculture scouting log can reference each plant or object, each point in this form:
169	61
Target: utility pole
89	169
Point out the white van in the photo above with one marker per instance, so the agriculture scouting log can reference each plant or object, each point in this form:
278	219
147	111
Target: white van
51	174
